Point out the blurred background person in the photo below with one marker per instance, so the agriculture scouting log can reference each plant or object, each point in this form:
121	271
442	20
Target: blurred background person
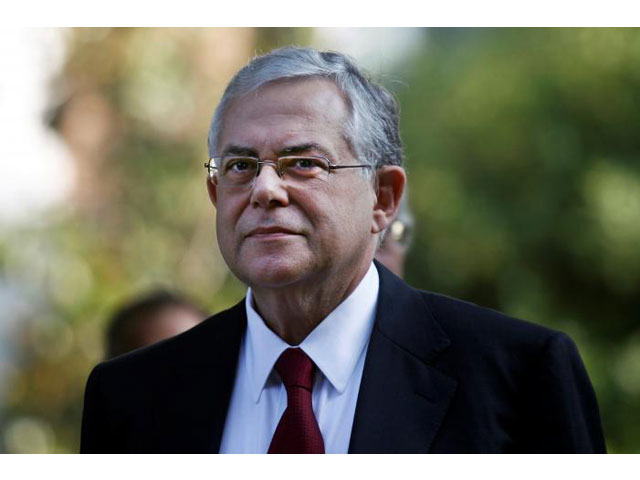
148	319
394	247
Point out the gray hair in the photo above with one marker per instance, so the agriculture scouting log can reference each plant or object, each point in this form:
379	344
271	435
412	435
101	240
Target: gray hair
372	129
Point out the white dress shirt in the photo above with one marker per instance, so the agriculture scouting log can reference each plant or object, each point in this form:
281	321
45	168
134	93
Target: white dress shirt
337	346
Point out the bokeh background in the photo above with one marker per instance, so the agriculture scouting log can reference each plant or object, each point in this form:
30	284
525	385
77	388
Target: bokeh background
523	156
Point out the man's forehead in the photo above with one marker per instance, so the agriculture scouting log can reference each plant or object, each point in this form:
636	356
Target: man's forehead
296	110
316	92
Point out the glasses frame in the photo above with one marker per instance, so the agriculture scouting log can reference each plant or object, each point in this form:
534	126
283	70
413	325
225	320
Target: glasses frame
277	164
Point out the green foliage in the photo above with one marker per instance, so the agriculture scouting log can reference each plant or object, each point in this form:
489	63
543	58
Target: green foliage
524	168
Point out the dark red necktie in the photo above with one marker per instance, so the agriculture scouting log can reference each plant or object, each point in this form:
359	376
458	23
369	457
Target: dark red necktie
298	430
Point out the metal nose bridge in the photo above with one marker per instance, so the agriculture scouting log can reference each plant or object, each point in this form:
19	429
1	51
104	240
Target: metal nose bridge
273	163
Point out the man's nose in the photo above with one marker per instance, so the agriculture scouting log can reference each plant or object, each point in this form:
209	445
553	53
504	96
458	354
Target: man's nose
268	188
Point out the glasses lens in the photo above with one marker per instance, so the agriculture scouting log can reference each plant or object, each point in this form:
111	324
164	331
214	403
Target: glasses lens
302	168
236	171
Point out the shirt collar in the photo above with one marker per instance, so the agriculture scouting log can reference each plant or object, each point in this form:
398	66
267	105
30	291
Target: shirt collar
335	345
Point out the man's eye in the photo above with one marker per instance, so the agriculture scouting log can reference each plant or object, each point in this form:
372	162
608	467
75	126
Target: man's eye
238	166
304	163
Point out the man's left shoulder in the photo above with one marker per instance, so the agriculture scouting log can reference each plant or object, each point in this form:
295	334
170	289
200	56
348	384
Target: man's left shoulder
527	378
488	344
459	328
482	327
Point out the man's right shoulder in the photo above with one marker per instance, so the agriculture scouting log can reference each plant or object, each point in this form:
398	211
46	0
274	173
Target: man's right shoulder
126	397
189	348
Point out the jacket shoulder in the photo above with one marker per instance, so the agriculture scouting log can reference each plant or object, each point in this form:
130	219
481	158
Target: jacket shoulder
195	346
527	381
141	401
478	327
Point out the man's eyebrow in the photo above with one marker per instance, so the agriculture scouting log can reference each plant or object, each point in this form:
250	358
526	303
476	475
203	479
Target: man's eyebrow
290	150
239	150
304	148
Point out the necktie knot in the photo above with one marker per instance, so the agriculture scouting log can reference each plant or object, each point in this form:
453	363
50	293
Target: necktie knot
295	368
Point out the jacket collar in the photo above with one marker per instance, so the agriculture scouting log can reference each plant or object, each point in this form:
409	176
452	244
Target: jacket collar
190	417
403	398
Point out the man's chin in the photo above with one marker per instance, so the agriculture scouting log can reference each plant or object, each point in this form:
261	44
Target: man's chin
272	274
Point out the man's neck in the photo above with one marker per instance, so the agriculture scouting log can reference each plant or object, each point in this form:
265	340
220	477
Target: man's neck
293	312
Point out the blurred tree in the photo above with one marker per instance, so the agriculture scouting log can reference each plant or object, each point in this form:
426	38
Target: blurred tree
524	164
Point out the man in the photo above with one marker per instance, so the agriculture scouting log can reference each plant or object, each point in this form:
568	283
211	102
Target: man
330	352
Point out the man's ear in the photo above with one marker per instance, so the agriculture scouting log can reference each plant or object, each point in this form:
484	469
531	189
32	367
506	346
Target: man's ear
390	183
213	191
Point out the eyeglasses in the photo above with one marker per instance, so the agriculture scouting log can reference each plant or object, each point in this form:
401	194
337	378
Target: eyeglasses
241	171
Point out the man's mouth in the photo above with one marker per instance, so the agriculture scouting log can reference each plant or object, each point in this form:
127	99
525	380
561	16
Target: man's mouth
270	232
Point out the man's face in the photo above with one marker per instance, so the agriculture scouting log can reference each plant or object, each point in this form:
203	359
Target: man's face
277	234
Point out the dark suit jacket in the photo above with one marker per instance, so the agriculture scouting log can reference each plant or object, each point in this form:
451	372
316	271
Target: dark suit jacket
441	375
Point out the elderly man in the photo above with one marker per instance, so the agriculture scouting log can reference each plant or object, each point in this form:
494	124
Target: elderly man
330	352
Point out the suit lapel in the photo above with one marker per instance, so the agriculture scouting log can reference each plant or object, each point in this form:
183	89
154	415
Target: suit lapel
403	398
190	415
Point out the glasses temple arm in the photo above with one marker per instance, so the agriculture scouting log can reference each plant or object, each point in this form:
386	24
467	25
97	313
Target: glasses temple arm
337	167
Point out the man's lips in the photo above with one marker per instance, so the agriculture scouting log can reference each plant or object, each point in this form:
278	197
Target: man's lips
270	231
